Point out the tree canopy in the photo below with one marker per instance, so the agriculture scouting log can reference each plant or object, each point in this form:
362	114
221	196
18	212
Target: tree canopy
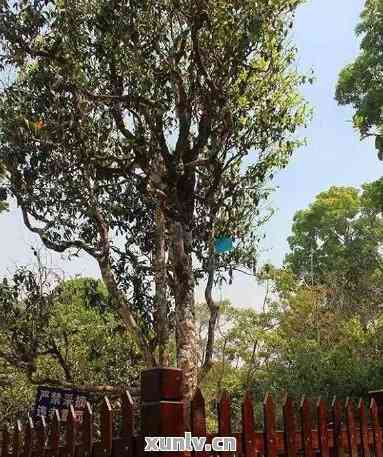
124	135
337	242
360	83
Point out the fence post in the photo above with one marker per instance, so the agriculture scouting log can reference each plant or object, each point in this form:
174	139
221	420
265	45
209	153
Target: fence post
162	407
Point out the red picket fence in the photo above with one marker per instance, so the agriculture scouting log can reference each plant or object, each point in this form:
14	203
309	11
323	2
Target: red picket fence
309	430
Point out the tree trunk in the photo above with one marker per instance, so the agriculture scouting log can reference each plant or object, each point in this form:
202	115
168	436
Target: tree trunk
161	302
186	339
213	309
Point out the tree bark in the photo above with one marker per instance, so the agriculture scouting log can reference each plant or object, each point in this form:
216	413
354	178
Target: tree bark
186	339
161	302
214	309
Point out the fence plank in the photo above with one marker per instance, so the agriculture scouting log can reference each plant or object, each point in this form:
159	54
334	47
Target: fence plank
70	438
363	424
17	438
127	423
198	418
306	422
377	431
248	426
6	442
289	428
269	427
351	430
87	431
106	427
323	438
28	438
127	415
41	435
337	427
55	434
224	415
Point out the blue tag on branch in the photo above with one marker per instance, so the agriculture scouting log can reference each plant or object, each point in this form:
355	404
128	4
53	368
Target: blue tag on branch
223	245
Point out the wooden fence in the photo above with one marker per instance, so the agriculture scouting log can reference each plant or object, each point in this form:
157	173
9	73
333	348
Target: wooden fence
309	430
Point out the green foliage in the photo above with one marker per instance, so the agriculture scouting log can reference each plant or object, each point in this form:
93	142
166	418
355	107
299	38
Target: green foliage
329	355
239	355
120	108
17	395
336	243
372	197
360	83
59	333
320	331
300	347
98	349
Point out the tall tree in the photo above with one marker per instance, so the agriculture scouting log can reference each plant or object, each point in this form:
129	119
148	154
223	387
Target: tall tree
126	108
333	353
336	243
360	83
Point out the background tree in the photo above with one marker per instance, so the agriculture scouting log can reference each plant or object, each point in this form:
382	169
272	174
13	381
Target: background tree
240	355
16	394
336	244
60	333
132	102
360	83
334	353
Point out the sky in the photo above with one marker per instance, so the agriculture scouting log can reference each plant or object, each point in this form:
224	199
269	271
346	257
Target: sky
334	155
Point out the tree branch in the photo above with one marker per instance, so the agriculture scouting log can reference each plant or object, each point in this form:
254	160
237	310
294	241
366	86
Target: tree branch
56	352
213	308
